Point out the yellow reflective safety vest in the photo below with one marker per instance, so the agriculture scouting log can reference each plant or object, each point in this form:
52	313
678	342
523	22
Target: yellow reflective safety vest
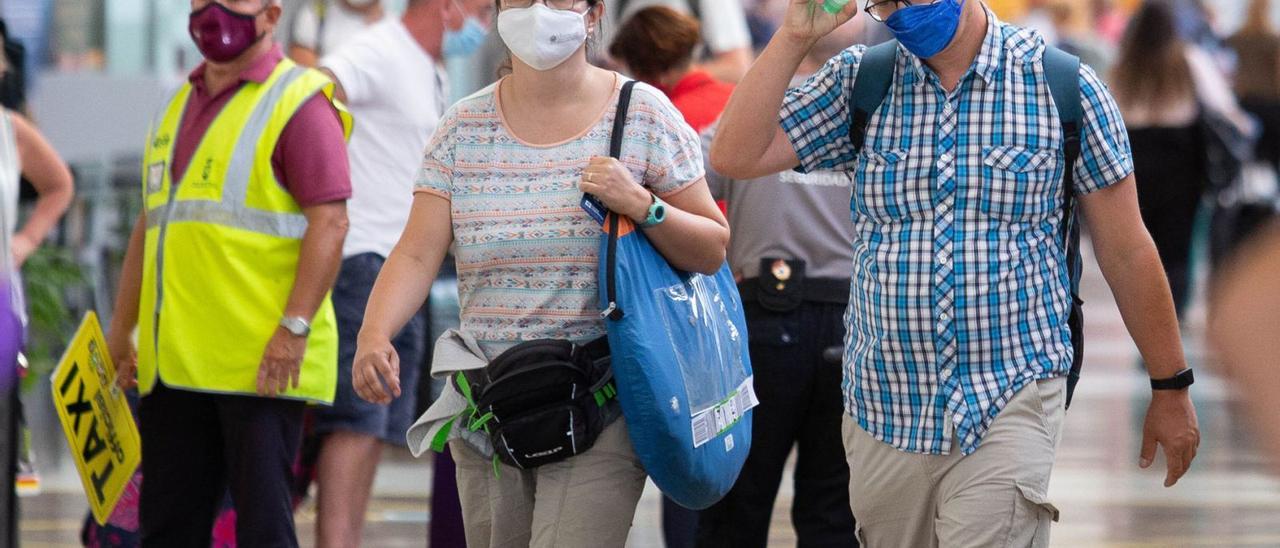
222	247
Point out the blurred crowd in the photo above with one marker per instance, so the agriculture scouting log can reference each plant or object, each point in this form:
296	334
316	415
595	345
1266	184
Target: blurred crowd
1202	110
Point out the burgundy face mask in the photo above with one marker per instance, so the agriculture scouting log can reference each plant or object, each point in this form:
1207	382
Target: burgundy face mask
222	34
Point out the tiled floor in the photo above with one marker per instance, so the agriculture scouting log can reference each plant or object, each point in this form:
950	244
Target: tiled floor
1228	499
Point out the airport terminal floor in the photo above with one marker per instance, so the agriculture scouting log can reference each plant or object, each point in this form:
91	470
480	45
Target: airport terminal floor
1228	498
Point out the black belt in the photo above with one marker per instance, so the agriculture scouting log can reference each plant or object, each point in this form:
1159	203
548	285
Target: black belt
816	290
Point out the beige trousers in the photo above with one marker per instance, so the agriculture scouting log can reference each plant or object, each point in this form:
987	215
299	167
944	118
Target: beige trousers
585	501
991	498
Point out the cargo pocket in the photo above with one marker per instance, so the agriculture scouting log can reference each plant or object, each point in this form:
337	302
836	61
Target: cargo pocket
1032	515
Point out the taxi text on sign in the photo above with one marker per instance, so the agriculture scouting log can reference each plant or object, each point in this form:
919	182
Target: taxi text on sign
96	418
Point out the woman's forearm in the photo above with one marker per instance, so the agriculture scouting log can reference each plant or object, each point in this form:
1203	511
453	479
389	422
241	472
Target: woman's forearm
690	242
694	236
48	174
401	289
405	279
124	316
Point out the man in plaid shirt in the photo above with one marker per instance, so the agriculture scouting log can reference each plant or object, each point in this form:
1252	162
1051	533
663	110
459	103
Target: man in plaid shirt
958	343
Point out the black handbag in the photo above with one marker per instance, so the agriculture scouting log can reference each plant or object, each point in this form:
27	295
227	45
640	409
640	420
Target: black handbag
1227	149
1243	193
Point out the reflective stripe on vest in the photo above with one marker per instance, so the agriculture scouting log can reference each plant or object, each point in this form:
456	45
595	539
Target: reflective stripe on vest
232	211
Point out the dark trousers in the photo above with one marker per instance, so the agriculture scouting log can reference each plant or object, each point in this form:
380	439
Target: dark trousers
1169	214
195	445
801	405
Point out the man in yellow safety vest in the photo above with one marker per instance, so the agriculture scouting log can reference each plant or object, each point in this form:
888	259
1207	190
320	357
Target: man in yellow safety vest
227	280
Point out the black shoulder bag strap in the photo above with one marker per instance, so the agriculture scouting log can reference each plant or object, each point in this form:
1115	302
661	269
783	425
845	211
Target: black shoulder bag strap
870	87
1063	73
614	312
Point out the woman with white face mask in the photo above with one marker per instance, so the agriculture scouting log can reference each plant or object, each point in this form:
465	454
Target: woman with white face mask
502	182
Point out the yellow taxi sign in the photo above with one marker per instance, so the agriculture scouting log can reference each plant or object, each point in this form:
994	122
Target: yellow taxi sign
96	419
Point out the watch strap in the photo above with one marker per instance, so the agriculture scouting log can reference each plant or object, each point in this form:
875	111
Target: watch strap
1182	380
656	214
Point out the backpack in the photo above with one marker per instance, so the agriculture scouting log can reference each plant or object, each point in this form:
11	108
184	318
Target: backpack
1062	70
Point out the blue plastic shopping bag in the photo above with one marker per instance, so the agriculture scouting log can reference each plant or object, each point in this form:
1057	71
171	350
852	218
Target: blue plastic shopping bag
680	360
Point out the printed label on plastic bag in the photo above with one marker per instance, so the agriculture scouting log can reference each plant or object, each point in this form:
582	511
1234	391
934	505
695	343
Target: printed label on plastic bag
717	419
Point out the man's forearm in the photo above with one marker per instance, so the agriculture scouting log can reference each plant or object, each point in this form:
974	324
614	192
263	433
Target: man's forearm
318	262
124	316
1142	293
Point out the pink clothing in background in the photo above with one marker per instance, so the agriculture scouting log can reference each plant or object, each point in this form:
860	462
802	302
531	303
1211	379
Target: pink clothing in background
310	159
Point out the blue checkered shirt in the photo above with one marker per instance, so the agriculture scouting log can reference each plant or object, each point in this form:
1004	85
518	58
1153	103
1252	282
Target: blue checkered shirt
960	291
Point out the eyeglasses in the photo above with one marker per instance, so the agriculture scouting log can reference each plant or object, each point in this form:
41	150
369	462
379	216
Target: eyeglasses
882	9
553	4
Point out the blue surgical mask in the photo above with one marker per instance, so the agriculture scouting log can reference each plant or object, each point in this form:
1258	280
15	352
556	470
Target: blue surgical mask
926	29
464	41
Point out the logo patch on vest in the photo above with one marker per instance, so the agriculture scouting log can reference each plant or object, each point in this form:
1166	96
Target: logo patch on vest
161	141
155	177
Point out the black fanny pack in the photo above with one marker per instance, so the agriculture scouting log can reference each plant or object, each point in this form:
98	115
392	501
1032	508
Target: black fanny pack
544	401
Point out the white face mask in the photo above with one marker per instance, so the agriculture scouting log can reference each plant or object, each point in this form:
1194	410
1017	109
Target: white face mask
541	37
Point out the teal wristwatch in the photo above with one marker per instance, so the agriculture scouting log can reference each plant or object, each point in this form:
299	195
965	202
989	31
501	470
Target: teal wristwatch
657	213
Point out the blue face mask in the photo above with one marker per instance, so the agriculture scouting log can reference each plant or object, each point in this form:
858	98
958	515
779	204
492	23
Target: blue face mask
464	41
927	29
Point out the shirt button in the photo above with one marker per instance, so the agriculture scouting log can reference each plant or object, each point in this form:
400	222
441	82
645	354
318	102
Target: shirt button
945	317
944	259
946	374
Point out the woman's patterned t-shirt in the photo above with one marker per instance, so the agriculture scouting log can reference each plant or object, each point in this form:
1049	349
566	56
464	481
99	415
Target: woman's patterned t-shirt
526	250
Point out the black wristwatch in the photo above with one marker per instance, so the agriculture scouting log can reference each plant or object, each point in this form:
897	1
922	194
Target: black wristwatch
1182	380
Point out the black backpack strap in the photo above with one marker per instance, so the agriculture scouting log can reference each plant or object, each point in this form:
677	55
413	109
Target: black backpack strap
613	312
870	87
1062	70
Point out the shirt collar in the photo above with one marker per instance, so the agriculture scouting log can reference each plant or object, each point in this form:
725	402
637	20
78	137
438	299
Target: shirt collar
258	71
984	65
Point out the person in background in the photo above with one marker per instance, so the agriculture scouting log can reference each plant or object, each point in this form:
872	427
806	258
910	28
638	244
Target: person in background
392	78
1257	78
527	255
793	273
1109	21
24	154
1077	37
324	25
13	86
1243	328
657	46
958	346
1039	17
1197	23
227	277
28	165
722	23
1163	86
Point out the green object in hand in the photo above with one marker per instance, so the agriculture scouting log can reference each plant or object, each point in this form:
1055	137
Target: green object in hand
834	6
